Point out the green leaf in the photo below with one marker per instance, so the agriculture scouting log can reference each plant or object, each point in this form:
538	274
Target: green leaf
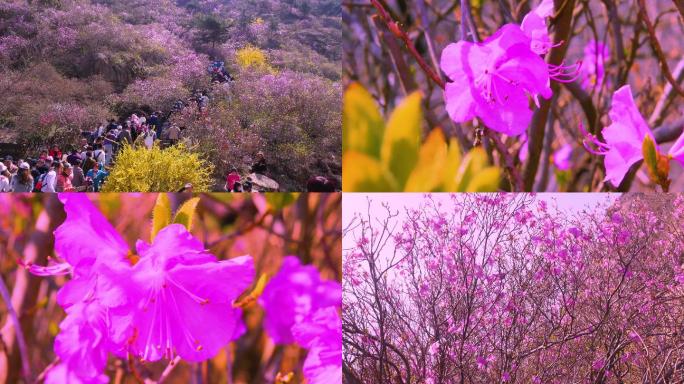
278	201
474	161
657	163
362	124
451	166
161	214
485	180
363	173
650	155
401	143
427	174
186	213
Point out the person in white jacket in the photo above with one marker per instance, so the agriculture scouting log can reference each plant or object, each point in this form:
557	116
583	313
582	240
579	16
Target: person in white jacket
50	180
4	179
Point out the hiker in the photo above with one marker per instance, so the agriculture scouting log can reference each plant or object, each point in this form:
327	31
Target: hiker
63	183
22	181
173	134
231	179
73	157
55	152
203	102
260	165
320	184
97	176
237	187
50	179
78	178
99	154
89	162
187	188
5	179
125	136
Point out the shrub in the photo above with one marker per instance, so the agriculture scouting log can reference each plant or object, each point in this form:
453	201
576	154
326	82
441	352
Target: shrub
251	57
138	169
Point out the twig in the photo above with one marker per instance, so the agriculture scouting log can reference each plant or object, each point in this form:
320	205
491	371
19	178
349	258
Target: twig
537	130
47	369
134	371
680	7
168	369
393	26
665	100
19	334
513	175
240	231
658	49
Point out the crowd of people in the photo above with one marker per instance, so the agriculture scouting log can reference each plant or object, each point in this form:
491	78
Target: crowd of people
85	167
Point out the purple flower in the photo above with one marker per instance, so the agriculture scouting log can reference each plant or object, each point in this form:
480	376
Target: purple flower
493	79
593	71
624	137
321	334
293	294
534	26
184	297
176	300
562	157
677	150
82	345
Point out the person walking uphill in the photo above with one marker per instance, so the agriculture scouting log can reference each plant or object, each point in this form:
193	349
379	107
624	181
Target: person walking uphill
22	181
50	179
4	178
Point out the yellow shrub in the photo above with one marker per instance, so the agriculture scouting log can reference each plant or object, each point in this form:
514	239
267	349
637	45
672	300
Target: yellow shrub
252	57
138	169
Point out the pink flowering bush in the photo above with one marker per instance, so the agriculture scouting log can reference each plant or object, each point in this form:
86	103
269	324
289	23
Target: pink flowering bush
505	288
164	298
526	79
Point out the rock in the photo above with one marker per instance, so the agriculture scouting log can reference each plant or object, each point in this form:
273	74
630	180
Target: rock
264	183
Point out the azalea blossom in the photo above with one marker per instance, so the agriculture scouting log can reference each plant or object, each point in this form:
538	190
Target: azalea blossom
534	26
562	157
321	334
184	298
176	300
624	138
294	293
493	79
593	70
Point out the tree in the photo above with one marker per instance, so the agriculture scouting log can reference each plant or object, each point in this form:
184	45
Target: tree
212	29
501	288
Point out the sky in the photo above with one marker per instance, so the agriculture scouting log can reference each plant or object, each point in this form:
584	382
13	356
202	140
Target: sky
357	202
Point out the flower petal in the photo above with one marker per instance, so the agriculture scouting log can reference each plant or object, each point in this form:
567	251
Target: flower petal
86	235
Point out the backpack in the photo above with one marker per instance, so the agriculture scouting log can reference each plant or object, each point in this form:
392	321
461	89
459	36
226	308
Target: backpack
39	184
97	155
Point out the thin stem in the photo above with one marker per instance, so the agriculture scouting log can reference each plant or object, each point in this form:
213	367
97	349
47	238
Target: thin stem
168	369
393	26
658	49
19	334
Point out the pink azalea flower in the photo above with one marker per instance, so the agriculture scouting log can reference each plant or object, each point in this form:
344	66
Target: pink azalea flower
624	137
534	26
321	334
493	79
292	295
562	157
62	373
185	297
82	345
593	72
177	299
677	150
